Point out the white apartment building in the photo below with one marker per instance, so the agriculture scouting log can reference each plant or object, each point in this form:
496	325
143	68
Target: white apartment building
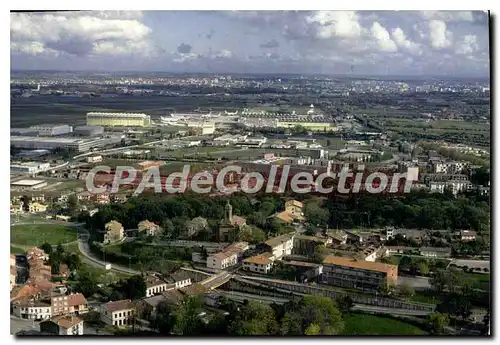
33	310
222	260
280	246
118	313
262	263
227	258
181	279
155	286
449	167
456	186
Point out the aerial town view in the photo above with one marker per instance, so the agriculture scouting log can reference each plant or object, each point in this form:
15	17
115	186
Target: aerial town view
238	173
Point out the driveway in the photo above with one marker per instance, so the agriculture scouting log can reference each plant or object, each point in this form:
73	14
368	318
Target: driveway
417	283
472	263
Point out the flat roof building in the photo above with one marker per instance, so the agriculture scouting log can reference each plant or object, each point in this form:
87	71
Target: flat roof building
52	143
118	119
51	129
29	184
88	131
357	274
29	167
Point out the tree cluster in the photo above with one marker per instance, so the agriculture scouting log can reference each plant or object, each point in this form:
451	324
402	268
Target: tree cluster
60	256
416	210
312	315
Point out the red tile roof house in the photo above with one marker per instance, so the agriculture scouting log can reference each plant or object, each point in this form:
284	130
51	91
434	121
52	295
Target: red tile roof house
63	325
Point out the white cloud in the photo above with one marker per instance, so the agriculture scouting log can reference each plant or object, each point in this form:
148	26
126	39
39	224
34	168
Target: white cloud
180	58
335	23
403	42
32	48
449	16
80	33
223	54
385	43
439	36
467	45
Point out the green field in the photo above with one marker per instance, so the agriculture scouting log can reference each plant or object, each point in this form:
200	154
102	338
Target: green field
482	280
16	250
365	324
35	235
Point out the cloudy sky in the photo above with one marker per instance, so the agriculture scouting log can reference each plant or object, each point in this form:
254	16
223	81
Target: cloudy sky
327	42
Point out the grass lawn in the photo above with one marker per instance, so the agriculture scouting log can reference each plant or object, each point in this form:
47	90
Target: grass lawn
482	280
365	324
37	234
426	296
16	250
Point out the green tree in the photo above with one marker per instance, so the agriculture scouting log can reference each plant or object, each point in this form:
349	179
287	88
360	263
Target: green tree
267	208
406	290
321	311
73	261
406	262
187	321
316	215
345	303
423	268
72	203
47	248
55	267
319	254
164	318
291	323
437	322
254	319
60	249
312	329
439	281
252	235
85	283
132	288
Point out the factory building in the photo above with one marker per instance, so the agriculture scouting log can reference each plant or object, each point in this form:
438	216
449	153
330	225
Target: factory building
51	130
29	168
51	143
118	119
312	126
88	131
23	131
28	184
205	127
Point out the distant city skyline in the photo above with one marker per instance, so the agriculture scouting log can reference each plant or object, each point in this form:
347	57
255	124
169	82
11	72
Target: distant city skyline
371	43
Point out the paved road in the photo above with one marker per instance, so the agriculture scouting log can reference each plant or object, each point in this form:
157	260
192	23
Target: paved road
83	246
216	280
242	296
189	244
393	311
417	283
472	263
18	324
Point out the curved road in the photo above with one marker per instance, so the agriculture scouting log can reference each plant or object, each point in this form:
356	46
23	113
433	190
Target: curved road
83	246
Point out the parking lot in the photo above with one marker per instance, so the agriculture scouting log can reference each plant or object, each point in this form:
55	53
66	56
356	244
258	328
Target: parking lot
17	324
